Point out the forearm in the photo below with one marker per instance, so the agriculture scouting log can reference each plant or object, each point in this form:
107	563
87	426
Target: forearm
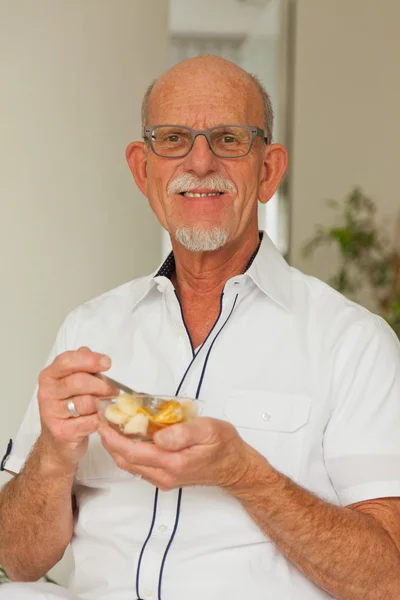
344	552
36	518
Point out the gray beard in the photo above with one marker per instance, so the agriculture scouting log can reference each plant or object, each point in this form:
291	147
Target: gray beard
195	239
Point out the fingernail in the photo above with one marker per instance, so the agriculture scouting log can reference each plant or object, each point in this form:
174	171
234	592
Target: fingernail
105	362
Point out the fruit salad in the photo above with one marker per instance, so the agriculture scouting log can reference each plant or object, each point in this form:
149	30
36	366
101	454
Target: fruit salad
139	416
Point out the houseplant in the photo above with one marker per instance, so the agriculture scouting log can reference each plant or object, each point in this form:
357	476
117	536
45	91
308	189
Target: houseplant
368	258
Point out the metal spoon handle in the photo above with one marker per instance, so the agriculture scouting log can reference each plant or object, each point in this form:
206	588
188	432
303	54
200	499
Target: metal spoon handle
115	383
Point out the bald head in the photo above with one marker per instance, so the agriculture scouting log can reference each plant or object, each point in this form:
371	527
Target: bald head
213	73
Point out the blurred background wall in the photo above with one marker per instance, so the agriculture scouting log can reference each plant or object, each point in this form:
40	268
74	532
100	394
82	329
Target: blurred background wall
72	222
73	73
346	125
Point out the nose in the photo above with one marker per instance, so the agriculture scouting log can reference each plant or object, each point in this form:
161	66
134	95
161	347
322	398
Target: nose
200	159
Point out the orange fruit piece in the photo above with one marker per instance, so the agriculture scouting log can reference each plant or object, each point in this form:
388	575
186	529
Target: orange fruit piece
170	413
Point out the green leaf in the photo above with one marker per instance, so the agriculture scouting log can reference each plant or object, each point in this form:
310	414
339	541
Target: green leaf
396	306
342	235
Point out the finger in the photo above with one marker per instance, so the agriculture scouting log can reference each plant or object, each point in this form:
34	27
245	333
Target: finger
82	384
84	405
77	361
80	427
136	453
183	435
84	349
157	477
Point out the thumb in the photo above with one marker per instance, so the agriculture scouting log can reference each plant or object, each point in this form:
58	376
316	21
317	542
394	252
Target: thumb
180	436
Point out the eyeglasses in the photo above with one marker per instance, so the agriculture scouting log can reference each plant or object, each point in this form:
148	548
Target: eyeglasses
224	141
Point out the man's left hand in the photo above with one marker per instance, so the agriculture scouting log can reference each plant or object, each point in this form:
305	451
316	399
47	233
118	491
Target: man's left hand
204	451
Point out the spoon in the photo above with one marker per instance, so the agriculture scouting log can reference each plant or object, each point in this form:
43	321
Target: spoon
151	403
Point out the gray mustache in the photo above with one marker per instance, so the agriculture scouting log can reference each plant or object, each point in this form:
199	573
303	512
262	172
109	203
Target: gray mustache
187	182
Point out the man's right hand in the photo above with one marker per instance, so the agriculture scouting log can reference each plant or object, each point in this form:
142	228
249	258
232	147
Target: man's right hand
64	439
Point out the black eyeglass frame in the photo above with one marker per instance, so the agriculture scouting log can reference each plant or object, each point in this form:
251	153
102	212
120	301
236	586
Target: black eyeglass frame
254	131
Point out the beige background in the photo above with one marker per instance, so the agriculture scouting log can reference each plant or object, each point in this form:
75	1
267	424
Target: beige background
72	222
346	113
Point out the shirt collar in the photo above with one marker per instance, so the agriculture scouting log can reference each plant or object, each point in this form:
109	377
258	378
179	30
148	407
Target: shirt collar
267	268
167	268
271	273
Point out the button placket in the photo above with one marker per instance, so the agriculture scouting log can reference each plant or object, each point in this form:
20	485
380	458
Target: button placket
165	517
157	544
149	569
193	376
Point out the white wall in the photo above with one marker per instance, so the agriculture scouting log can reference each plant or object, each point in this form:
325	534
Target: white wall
72	222
221	17
347	125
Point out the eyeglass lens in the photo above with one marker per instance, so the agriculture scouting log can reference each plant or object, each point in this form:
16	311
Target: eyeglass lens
176	141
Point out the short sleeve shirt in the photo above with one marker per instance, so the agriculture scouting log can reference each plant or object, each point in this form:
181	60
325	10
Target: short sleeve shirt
310	379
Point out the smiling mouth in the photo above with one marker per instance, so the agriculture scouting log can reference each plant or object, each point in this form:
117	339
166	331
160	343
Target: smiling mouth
206	195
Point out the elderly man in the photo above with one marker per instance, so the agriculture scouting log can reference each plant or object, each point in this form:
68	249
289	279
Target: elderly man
288	486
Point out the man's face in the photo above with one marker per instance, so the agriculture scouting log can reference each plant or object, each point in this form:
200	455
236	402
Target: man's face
203	102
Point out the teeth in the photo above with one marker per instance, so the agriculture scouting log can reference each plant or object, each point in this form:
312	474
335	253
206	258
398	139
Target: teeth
193	195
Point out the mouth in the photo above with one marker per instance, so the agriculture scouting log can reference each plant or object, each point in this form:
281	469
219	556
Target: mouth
202	193
198	195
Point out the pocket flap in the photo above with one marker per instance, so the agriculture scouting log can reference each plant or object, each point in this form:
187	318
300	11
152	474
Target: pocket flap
268	411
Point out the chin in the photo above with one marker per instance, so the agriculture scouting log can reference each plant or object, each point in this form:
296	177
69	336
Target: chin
200	239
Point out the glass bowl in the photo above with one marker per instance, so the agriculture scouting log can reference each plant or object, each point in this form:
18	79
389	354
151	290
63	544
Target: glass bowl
140	416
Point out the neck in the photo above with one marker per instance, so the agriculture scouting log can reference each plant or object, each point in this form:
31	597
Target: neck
205	273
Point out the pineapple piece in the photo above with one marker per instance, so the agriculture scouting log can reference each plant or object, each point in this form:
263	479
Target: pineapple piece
129	404
137	425
114	415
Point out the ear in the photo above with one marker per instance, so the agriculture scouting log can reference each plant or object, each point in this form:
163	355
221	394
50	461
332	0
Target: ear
136	155
274	167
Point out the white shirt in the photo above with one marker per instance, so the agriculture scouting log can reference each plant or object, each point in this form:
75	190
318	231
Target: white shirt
310	379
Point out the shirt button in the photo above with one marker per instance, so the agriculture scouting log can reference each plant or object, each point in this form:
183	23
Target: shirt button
163	529
266	416
148	594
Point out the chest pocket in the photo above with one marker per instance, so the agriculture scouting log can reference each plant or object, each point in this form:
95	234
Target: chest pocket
275	424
